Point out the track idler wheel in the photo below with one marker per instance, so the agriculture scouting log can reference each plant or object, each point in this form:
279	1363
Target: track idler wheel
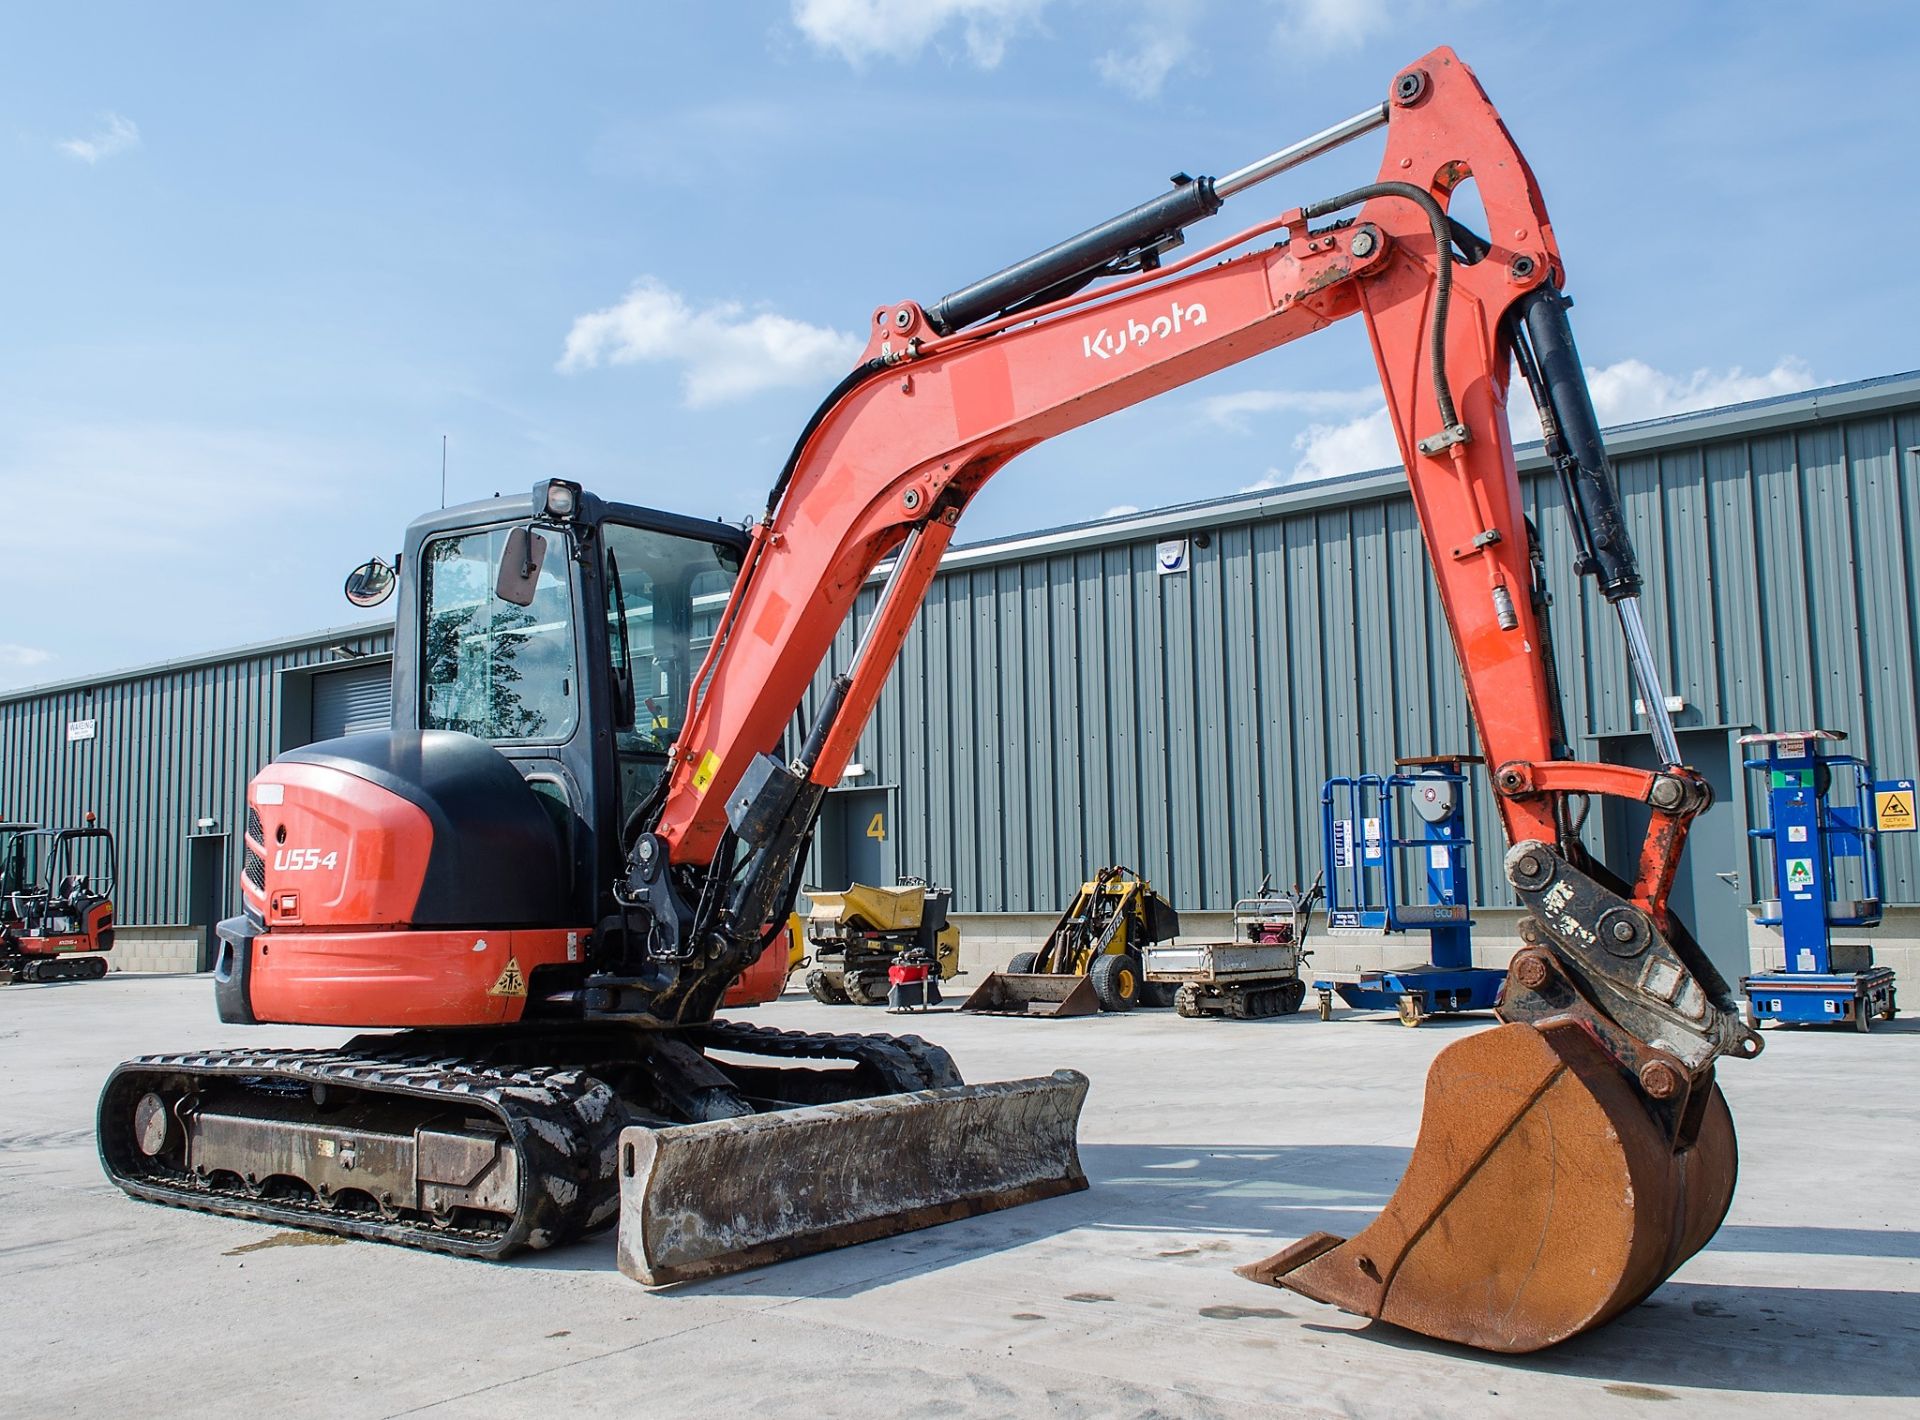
1546	1195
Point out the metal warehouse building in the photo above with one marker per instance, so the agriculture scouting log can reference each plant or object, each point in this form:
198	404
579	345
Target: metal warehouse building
1169	689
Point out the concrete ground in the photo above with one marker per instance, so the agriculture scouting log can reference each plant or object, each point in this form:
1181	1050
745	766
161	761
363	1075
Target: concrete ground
1209	1143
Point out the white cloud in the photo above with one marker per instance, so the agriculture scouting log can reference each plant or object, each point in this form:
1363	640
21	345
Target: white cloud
1120	510
1232	411
116	135
726	354
1324	26
1633	390
1329	450
861	30
1623	393
1160	41
15	657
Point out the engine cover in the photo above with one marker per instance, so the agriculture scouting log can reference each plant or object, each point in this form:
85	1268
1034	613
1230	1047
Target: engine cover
397	829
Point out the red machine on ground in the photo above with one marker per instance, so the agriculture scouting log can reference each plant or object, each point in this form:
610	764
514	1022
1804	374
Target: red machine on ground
56	902
557	888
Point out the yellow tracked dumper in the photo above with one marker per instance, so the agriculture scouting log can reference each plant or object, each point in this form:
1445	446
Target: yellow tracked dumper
857	935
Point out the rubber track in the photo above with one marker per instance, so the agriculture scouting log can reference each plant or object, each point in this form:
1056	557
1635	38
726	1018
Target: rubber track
563	1120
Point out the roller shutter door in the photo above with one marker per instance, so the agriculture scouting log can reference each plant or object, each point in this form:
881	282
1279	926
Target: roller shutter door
352	700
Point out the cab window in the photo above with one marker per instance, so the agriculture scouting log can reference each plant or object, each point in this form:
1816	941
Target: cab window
664	598
490	668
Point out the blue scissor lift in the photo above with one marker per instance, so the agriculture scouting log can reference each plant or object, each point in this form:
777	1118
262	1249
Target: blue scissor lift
1363	859
1822	842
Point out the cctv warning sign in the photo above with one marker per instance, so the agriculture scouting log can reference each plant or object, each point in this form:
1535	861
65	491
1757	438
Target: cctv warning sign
1893	806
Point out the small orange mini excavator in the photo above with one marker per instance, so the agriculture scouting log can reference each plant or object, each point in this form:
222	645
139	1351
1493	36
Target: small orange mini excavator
594	808
56	902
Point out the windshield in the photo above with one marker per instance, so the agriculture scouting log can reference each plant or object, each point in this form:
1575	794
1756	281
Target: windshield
19	862
487	667
666	593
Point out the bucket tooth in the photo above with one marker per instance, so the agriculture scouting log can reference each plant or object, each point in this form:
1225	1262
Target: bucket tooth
702	1200
1545	1196
1007	993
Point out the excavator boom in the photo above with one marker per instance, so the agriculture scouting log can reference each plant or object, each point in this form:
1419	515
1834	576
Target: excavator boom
1594	1106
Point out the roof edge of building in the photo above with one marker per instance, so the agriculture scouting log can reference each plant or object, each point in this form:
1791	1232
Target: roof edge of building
356	631
1776	412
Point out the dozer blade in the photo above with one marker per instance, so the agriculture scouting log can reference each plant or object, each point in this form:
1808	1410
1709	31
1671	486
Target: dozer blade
1006	993
702	1200
1545	1196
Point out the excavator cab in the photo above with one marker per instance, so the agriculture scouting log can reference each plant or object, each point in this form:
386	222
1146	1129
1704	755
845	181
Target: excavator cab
544	647
461	876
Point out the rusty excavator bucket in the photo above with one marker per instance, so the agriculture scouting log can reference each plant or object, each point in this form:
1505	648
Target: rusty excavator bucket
702	1200
1568	1161
1543	1198
1033	993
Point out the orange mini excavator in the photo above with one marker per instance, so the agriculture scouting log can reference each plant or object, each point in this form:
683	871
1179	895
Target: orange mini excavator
56	902
594	809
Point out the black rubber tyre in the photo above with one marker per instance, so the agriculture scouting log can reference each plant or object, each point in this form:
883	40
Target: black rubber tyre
1158	994
820	986
1023	963
1863	1016
866	988
1116	981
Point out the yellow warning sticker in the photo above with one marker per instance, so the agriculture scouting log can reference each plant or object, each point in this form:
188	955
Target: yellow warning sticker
704	771
1893	810
510	981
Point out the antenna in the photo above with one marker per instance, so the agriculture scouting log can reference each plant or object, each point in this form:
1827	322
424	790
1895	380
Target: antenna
443	470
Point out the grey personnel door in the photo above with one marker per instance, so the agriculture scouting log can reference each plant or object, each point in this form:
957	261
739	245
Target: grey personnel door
855	841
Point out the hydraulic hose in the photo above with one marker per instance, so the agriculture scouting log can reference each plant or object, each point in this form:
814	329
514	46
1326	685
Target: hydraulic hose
1442	277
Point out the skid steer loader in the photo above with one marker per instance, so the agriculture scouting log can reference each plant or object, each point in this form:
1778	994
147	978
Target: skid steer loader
1093	959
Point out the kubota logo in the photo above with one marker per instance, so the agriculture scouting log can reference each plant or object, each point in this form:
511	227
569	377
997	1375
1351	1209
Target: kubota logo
1110	341
301	860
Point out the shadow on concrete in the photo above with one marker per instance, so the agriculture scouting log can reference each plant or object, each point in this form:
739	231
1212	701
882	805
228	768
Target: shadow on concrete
1900	1025
1807	1341
1185	1201
1817	1242
1451	1020
1167	1190
1208	1200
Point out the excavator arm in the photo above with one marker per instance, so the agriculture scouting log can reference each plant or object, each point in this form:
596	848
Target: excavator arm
1602	1078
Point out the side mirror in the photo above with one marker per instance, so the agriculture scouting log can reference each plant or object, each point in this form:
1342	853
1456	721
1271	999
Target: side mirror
370	583
520	566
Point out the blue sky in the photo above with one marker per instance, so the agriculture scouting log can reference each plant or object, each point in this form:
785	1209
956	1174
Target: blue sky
258	259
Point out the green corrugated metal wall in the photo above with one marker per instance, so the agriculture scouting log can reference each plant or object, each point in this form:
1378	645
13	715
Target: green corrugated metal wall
170	745
1055	711
1060	705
